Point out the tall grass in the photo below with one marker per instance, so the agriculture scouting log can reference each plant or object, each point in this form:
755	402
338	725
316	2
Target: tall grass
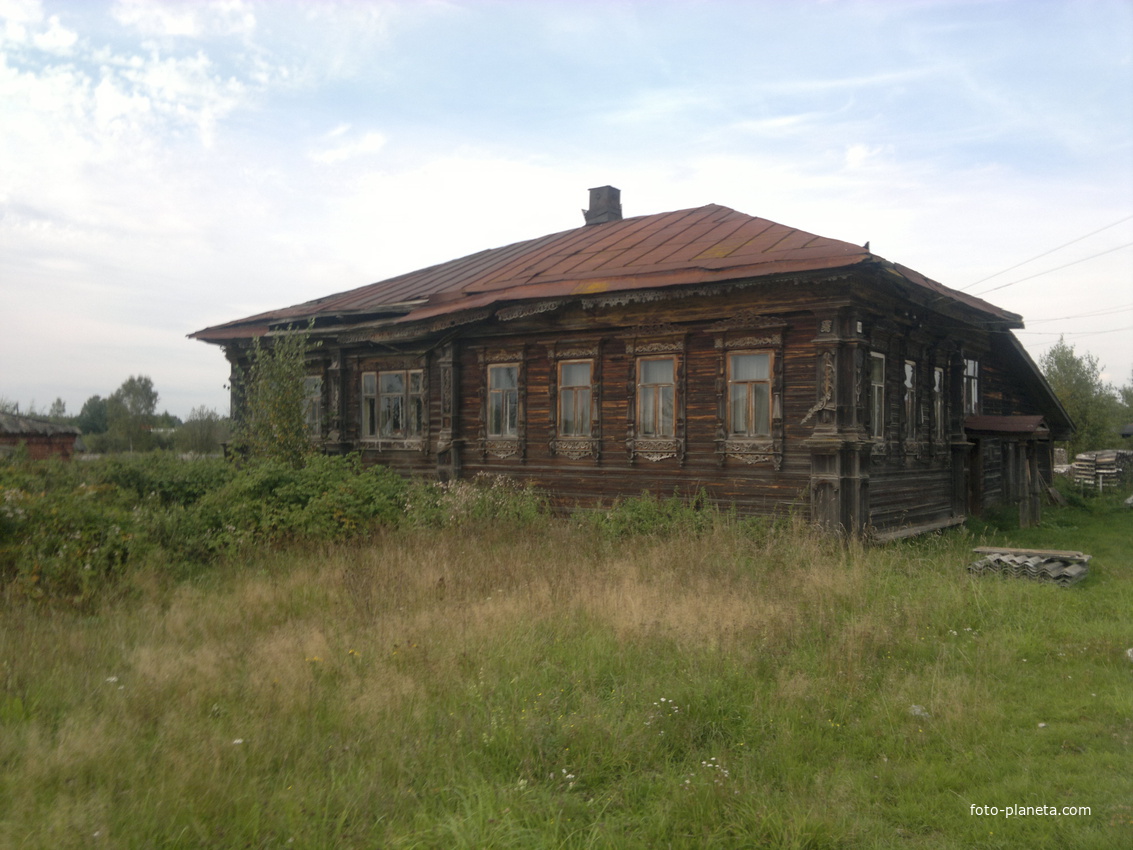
526	682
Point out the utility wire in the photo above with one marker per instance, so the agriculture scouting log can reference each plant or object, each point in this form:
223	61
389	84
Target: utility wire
1044	253
1075	333
1055	269
1108	312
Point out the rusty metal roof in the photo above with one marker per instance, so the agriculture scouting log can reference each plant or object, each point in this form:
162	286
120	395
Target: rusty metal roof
702	245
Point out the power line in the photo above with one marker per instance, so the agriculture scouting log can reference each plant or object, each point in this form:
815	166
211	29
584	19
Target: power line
1074	333
1045	253
1107	312
1056	269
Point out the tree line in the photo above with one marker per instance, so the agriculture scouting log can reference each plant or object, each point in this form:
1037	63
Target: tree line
1098	409
127	421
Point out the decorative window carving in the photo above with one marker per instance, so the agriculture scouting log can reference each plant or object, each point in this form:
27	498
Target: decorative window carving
401	404
656	397
393	403
938	409
502	426
503	401
574	399
877	395
971	387
655	427
749	394
313	404
749	380
910	387
575	395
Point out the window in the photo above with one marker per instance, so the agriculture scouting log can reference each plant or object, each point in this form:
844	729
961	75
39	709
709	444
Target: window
938	424
910	400
313	403
877	394
400	404
503	401
656	396
971	387
369	404
574	398
749	395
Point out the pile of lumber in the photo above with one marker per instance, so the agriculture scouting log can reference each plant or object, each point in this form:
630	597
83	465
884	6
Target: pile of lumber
1062	568
1103	469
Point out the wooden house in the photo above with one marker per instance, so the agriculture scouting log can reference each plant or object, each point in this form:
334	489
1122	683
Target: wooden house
697	350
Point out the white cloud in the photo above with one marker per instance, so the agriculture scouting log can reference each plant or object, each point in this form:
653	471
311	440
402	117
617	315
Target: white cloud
189	20
365	145
56	39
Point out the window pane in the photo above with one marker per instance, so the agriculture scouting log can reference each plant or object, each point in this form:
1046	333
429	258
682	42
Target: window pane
877	369
649	413
369	383
495	414
657	371
751	367
393	382
370	424
739	408
503	377
511	400
582	408
762	425
575	375
415	381
667	410
392	416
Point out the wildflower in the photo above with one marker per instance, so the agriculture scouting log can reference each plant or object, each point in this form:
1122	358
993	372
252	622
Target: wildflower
238	741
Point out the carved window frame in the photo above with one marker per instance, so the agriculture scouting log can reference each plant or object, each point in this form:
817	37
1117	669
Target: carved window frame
313	405
750	385
385	365
503	445
877	400
939	406
909	401
575	447
971	386
750	335
655	347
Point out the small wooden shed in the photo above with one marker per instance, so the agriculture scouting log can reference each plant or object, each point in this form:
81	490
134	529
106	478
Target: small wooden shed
43	438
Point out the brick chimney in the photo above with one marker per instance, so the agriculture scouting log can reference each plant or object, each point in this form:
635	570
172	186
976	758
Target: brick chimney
605	205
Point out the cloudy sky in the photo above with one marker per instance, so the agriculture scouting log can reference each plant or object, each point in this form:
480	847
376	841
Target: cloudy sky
165	166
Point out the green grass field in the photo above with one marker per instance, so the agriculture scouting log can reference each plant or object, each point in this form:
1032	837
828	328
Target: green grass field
538	684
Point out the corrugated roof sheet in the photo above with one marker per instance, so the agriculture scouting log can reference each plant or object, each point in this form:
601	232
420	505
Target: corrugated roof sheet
14	424
705	244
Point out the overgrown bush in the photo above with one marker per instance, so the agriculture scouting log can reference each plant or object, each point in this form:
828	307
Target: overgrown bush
330	497
493	499
648	514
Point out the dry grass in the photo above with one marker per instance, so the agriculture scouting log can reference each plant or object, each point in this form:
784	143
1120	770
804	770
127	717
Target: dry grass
436	689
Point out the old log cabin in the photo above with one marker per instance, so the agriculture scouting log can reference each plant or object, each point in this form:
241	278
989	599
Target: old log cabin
696	350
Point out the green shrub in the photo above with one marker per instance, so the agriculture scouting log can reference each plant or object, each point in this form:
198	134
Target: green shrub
169	478
649	515
66	543
494	499
330	497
